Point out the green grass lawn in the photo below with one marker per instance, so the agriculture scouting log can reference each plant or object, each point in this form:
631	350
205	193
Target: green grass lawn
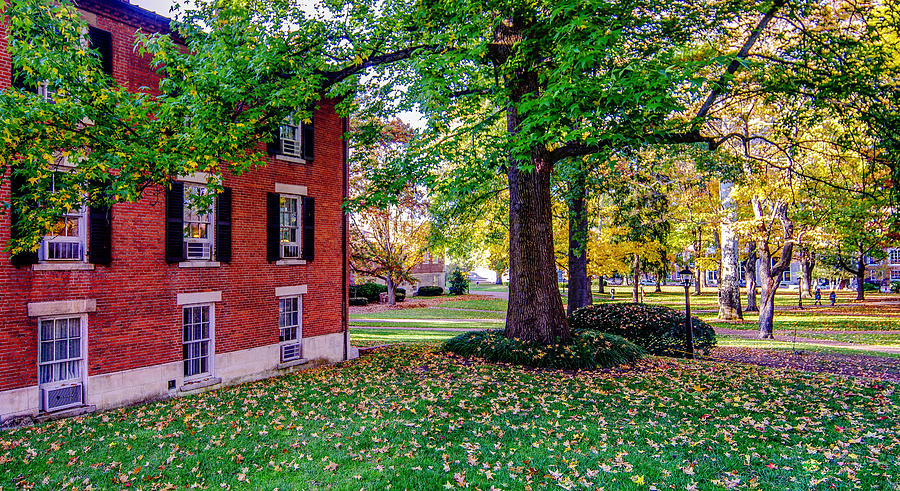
371	337
494	304
428	313
488	287
411	419
431	324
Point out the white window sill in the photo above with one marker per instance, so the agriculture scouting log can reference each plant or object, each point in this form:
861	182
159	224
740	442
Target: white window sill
198	264
62	266
290	262
290	158
200	384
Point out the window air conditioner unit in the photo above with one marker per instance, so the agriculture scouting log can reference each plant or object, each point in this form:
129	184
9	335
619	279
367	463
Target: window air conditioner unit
62	397
290	352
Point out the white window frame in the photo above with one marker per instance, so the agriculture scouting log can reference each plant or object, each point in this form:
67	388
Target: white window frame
895	275
51	242
81	360
894	256
297	244
190	215
282	326
210	340
786	276
712	275
290	138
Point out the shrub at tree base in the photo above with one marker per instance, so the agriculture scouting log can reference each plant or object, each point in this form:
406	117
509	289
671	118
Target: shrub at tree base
587	349
658	330
370	291
358	301
429	291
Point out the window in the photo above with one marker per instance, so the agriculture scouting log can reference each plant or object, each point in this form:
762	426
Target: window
895	275
60	350
197	340
289	223
786	276
197	226
66	239
895	256
291	139
290	327
712	275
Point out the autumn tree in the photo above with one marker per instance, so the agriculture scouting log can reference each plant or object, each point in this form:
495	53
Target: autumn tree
562	80
387	240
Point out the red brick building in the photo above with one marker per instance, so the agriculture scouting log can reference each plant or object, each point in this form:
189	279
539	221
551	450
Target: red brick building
152	299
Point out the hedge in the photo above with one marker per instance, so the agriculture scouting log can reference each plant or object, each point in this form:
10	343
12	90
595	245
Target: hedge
658	330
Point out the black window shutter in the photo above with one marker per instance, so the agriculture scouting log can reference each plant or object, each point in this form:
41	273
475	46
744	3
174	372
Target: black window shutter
175	223
273	227
100	235
223	226
17	187
308	134
101	41
308	248
274	147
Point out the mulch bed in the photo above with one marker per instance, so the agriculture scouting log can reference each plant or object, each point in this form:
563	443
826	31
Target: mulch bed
865	366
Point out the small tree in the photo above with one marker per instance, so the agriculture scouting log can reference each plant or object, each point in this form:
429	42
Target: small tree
459	283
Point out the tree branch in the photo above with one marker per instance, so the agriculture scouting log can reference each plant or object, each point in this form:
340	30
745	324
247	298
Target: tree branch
334	77
719	87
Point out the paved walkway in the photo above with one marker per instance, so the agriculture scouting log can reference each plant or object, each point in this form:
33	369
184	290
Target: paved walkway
789	337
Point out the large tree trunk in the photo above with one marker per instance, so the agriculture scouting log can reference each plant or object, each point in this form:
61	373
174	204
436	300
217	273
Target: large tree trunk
579	286
767	308
770	275
535	311
807	264
729	283
659	276
860	277
635	297
499	280
602	283
750	277
391	291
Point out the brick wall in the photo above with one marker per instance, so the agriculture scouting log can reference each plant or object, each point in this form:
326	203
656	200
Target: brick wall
137	322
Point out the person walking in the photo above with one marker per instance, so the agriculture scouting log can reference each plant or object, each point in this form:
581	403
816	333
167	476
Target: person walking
818	297
612	293
832	297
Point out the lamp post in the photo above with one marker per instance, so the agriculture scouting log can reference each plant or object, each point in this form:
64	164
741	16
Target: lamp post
686	276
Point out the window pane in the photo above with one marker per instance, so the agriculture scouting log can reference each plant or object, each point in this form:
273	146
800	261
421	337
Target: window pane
46	330
74	348
75	328
61	329
62	349
46	352
45	374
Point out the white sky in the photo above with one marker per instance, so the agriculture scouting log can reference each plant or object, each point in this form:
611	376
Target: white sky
161	7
